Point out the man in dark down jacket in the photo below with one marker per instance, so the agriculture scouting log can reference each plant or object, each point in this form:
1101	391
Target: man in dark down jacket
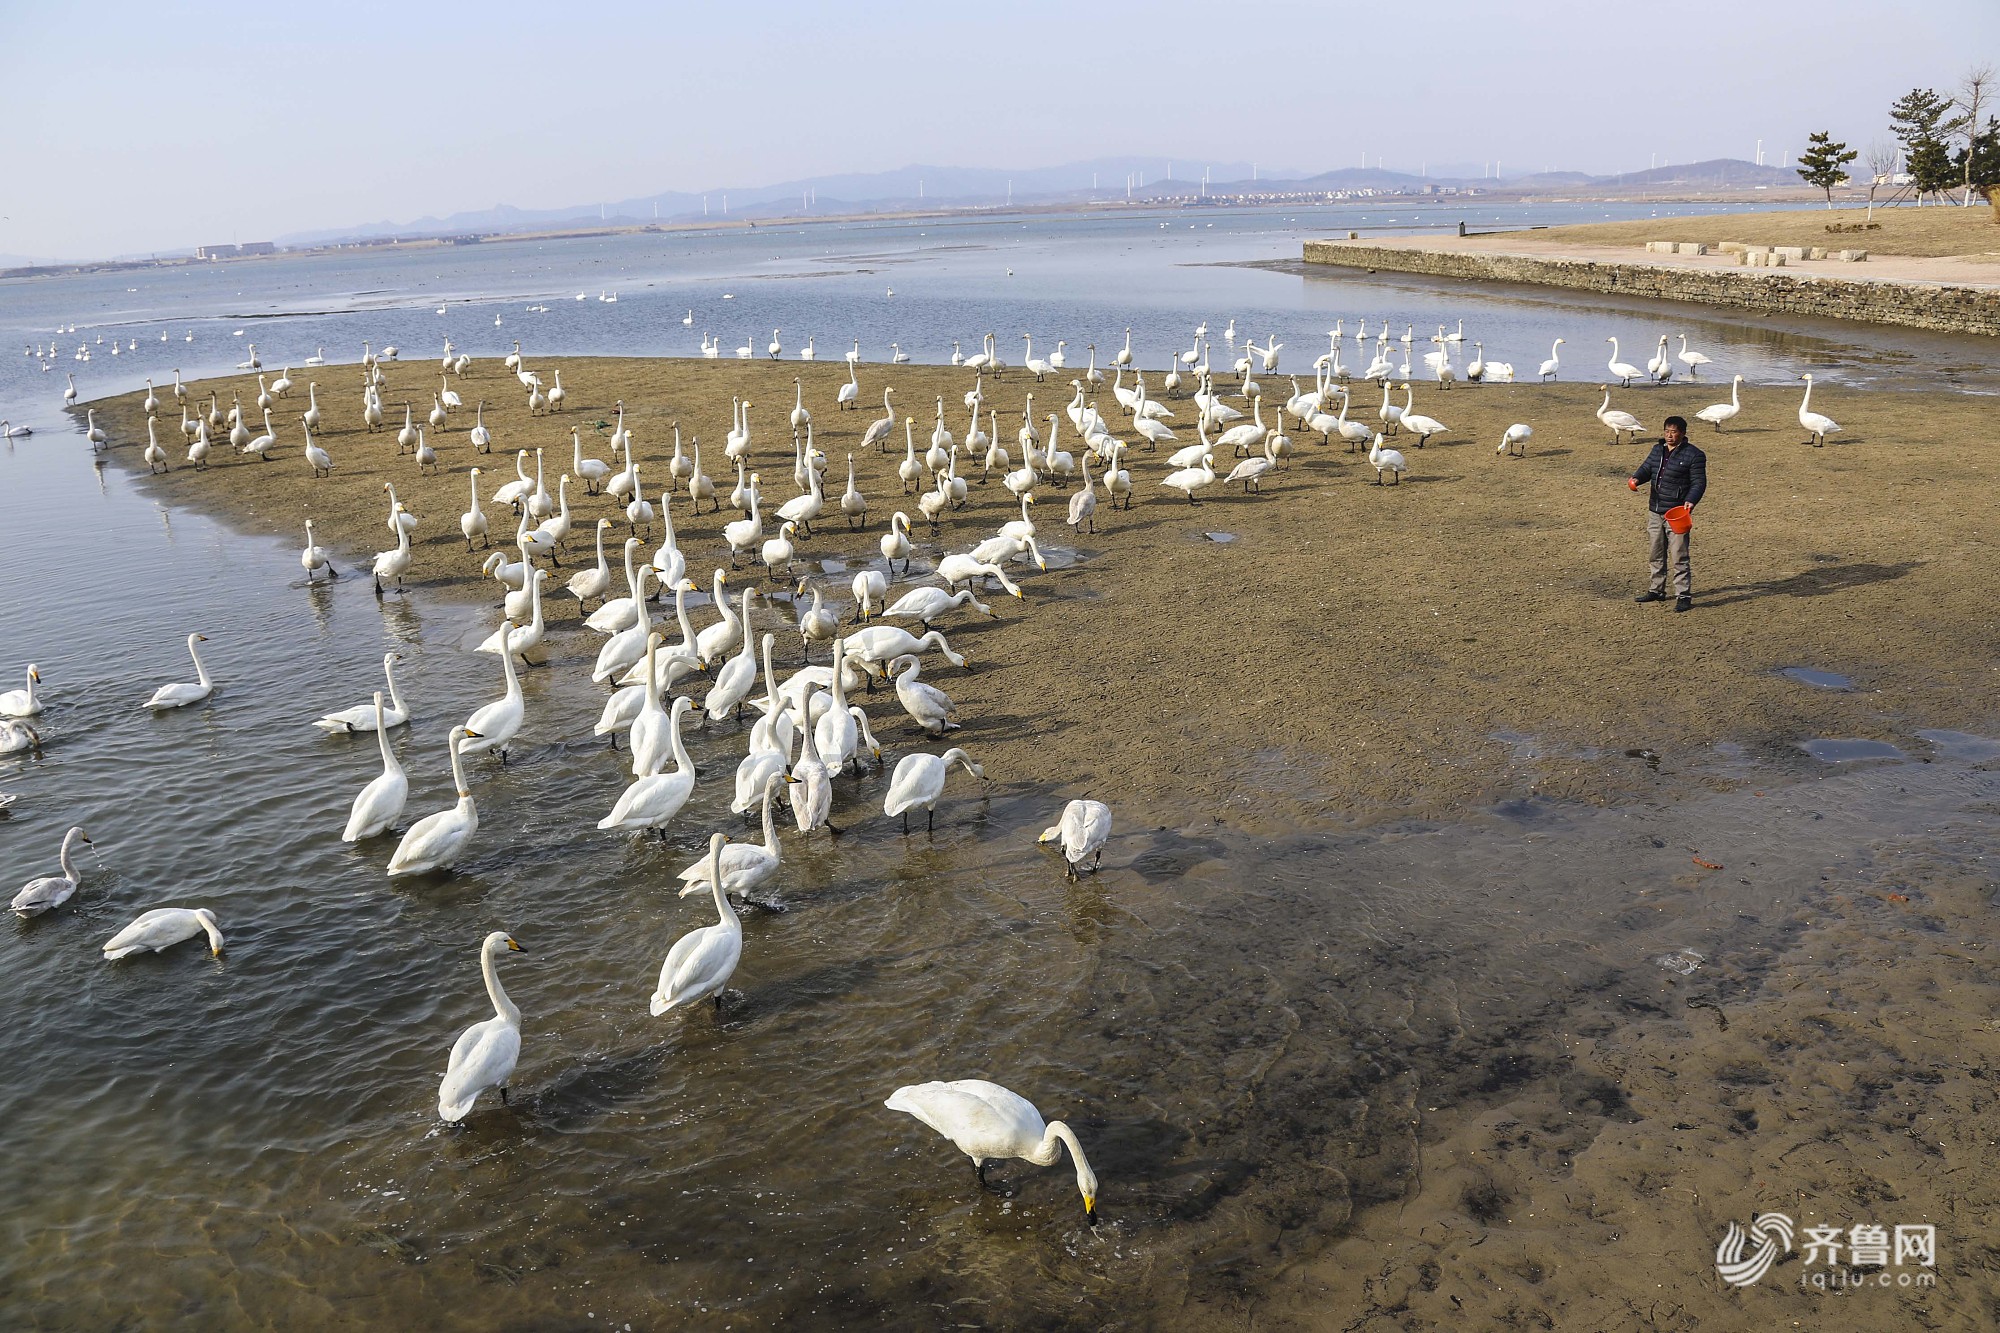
1678	472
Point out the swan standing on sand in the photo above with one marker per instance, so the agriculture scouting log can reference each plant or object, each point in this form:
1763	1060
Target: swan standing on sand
1083	829
1516	435
51	891
367	717
702	961
485	1054
435	841
988	1123
181	695
1386	460
380	803
1717	413
1820	426
23	702
1620	423
919	783
164	927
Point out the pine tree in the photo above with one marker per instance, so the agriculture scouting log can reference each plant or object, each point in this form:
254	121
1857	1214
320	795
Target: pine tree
1930	166
1915	117
1822	164
1978	164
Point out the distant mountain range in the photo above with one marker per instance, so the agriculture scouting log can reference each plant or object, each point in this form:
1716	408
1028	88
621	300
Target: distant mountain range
921	187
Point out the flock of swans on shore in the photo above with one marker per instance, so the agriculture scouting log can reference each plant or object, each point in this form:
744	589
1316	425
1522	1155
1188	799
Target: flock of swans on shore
809	712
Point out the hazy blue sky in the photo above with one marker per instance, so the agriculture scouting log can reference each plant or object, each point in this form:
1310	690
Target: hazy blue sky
140	126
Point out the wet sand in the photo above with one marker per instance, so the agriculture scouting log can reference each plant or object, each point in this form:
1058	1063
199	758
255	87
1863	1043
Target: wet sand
1375	1142
1412	650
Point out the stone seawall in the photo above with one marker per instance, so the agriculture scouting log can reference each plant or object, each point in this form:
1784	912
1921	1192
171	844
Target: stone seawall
1943	308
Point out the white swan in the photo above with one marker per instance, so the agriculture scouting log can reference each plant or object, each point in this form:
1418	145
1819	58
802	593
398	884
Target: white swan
928	706
1083	829
366	717
1821	426
493	725
485	1054
1422	427
850	392
1516	436
745	865
882	643
989	1123
592	583
524	639
164	927
1624	370
1619	423
181	695
1717	413
435	841
649	802
919	783
927	604
737	677
702	961
50	891
896	542
1386	460
16	737
812	785
1189	480
380	803
23	702
1694	361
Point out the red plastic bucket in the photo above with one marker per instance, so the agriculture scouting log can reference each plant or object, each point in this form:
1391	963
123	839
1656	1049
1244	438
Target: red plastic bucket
1680	519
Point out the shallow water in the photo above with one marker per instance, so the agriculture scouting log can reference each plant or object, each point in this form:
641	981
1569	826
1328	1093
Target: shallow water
1073	278
1242	1027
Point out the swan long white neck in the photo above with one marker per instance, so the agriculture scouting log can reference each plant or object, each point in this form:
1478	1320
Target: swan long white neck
200	671
501	1004
458	767
389	764
70	838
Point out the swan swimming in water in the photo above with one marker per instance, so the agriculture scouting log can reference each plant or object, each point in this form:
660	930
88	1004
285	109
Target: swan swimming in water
485	1054
51	891
370	717
180	695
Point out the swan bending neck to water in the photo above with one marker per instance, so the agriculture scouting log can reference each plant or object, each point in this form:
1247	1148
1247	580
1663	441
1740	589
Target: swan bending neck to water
987	1122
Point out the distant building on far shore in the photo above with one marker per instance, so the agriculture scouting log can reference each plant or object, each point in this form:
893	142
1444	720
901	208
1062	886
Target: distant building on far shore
213	252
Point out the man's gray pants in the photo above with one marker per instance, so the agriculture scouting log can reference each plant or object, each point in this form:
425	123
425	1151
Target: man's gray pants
1667	545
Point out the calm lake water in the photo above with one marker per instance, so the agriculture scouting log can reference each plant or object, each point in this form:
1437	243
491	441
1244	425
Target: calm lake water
1236	1026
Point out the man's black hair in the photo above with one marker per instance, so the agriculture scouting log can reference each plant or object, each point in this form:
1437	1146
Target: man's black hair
1678	421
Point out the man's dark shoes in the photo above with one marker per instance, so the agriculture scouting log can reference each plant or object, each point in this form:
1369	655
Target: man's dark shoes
1683	603
1650	597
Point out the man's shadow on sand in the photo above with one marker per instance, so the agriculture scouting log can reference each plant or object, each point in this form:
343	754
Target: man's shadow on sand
1810	583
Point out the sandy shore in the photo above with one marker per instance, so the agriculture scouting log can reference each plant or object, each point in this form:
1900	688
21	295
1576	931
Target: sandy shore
1422	653
1468	636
